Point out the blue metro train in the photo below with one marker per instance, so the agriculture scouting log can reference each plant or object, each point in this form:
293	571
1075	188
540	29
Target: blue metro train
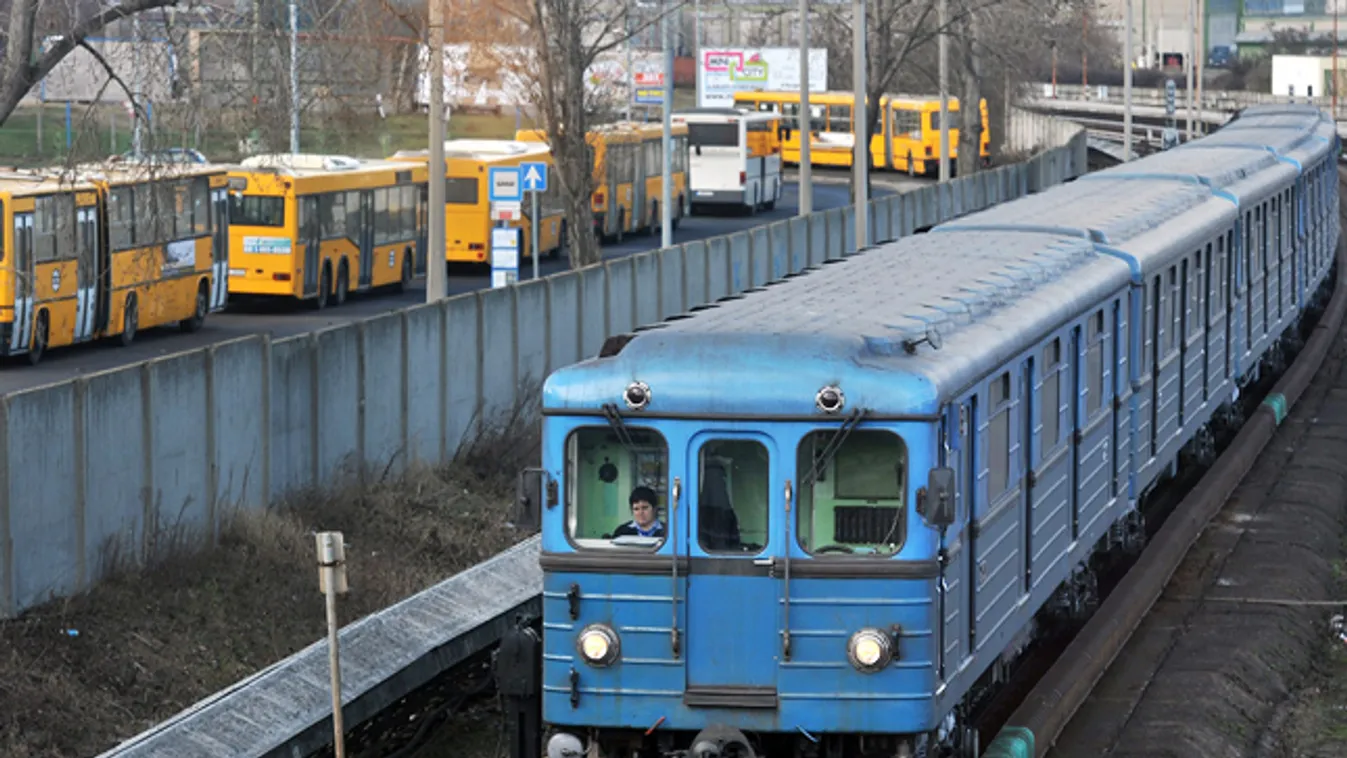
817	518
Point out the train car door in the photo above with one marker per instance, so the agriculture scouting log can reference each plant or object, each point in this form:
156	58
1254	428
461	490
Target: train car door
733	595
309	235
219	290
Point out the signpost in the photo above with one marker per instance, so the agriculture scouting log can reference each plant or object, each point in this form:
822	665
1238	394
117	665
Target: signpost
649	88
504	256
535	182
506	193
1170	137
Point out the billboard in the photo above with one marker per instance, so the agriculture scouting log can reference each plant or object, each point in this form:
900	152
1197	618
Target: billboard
496	76
722	71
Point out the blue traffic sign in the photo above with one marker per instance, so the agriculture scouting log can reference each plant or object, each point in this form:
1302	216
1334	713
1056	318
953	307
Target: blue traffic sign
505	186
535	176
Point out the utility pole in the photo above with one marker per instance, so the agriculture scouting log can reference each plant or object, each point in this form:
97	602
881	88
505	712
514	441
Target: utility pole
435	175
1335	62
137	109
294	78
1199	60
942	13
1128	59
861	156
666	181
1188	67
805	125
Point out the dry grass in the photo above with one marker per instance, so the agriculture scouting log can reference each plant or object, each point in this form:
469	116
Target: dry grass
153	641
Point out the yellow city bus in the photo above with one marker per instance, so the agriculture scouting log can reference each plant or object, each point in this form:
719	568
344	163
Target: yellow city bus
315	227
628	167
107	250
467	209
909	139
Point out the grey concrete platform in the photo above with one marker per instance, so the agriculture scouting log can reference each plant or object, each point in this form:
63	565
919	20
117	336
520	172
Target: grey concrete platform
286	709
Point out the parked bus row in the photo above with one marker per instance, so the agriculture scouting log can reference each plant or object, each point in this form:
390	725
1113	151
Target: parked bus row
107	249
104	251
908	140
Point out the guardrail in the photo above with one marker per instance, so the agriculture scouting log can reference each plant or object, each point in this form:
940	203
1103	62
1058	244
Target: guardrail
1224	100
120	455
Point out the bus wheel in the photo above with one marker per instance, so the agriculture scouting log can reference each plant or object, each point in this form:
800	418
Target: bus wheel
130	321
343	282
39	346
324	287
198	317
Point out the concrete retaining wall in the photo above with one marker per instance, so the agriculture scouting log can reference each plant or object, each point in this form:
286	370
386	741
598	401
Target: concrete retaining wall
166	442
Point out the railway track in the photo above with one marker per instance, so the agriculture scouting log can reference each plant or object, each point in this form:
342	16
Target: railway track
1234	491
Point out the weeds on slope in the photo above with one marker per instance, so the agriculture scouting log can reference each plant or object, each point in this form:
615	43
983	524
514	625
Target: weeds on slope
79	675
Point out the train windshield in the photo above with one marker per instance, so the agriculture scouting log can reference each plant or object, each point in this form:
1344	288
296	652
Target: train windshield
852	501
617	490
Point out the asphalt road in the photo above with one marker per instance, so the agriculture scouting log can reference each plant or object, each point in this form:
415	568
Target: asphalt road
282	319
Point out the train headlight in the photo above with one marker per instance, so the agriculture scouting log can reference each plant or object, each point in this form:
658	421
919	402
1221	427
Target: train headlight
870	650
598	644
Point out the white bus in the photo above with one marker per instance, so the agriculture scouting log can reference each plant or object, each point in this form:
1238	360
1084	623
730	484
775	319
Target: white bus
734	157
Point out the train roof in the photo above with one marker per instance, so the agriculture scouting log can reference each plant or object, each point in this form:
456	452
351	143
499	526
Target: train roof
851	322
906	326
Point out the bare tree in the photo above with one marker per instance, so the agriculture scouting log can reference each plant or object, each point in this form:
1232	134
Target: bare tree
26	61
569	38
970	127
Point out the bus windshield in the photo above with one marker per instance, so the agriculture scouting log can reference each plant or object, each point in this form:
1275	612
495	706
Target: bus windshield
713	135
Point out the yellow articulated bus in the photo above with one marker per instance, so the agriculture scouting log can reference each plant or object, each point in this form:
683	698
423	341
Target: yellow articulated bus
628	175
909	139
315	227
105	251
467	208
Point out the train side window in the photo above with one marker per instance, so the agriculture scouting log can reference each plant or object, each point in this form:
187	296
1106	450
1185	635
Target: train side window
998	436
1197	277
733	496
603	472
857	501
1051	401
1094	364
1174	311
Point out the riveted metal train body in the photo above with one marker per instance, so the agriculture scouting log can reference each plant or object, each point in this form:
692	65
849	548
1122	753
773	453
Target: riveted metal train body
872	476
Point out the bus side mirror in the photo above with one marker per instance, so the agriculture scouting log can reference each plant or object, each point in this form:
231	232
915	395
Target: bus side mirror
534	488
935	501
698	148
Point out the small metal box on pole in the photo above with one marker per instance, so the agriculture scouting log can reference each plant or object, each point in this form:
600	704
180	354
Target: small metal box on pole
332	582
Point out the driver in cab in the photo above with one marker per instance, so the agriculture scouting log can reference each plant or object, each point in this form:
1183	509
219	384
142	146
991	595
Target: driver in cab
643	522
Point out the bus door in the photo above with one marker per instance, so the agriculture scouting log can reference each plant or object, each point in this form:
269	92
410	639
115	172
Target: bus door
89	304
366	240
890	132
613	158
309	234
422	228
640	202
23	282
219	288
